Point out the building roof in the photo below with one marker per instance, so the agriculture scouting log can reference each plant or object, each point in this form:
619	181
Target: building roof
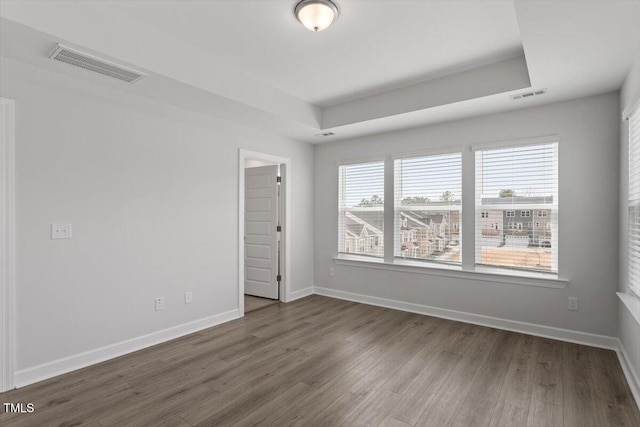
518	200
355	222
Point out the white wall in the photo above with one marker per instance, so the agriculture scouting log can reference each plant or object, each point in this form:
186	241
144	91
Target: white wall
628	326
152	193
588	249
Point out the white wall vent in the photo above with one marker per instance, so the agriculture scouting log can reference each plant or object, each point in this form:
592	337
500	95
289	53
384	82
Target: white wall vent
529	94
95	64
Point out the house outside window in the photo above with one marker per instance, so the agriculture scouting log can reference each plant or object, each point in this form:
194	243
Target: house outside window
361	209
506	184
512	183
428	206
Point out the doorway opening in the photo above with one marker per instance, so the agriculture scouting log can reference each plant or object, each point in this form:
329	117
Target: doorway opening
263	238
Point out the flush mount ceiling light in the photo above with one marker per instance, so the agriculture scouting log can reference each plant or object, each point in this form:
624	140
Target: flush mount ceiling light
316	15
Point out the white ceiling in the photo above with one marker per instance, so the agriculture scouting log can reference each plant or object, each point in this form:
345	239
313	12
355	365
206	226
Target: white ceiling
383	65
373	45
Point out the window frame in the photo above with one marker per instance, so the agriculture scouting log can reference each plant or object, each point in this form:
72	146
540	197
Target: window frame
354	162
632	116
397	173
551	222
468	269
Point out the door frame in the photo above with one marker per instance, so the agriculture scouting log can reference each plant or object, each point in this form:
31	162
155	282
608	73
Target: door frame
7	245
285	241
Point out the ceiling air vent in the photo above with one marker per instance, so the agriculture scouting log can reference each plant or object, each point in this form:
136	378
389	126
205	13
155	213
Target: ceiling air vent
95	64
325	134
529	94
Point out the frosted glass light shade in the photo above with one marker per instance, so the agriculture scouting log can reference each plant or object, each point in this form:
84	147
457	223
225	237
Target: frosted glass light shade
316	15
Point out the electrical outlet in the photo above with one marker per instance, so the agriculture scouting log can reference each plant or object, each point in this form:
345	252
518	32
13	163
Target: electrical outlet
332	272
159	303
573	303
60	231
188	297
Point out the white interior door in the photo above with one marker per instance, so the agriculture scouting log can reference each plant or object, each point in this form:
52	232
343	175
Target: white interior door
260	232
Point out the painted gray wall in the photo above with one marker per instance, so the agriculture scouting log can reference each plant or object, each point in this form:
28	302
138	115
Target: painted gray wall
588	250
627	324
152	193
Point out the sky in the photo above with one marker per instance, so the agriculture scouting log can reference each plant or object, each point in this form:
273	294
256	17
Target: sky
530	170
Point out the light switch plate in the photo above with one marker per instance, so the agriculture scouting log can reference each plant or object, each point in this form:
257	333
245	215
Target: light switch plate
60	231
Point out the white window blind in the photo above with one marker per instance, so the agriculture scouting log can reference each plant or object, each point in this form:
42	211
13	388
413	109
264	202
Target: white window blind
361	209
633	274
512	184
427	223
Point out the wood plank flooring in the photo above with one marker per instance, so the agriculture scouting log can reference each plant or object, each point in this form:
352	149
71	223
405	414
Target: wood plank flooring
325	362
252	303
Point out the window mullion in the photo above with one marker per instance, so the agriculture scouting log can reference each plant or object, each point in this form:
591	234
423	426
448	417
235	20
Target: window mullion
468	211
389	209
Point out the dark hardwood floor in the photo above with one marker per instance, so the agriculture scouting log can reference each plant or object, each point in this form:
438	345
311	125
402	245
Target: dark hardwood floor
326	362
252	303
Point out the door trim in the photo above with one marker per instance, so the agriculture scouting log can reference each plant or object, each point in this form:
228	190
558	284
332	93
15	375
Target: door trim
285	266
7	245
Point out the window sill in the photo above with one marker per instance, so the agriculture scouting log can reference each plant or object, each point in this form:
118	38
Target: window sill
632	303
481	274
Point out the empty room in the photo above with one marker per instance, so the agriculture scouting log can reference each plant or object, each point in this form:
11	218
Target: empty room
383	213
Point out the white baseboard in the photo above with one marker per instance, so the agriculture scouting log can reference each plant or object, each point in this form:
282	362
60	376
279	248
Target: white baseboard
91	357
294	295
577	337
57	367
630	374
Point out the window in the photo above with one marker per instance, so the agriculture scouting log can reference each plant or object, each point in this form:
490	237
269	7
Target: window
633	273
361	209
427	205
521	178
515	214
